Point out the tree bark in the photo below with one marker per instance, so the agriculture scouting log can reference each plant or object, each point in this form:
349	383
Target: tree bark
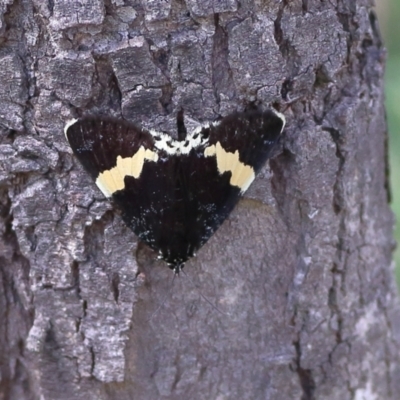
301	272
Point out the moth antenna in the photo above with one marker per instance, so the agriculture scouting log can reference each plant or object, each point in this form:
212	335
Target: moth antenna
202	295
286	104
180	122
165	297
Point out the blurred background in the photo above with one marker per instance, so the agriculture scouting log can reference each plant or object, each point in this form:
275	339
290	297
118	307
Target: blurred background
389	16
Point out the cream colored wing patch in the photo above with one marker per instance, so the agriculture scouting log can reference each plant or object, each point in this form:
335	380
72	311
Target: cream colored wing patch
112	180
242	175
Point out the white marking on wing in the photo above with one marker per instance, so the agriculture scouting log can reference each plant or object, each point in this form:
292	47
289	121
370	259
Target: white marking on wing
281	116
68	125
164	142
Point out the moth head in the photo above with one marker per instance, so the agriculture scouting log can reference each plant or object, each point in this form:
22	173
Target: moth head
176	267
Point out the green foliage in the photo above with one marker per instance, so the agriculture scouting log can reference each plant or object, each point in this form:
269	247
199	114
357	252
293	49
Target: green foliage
392	80
393	113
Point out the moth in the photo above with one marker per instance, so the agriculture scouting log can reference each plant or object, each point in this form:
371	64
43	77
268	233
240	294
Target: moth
175	193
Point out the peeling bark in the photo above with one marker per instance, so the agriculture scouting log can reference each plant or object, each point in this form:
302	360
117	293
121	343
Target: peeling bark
301	271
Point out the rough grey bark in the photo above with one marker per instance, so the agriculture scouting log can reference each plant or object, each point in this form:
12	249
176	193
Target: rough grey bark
302	269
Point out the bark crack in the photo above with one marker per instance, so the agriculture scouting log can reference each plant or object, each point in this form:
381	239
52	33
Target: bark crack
222	79
305	375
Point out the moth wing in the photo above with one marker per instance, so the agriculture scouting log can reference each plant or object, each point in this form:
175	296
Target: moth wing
98	142
251	133
109	149
177	204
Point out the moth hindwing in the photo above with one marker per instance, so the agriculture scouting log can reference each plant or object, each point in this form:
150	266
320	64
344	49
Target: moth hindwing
174	194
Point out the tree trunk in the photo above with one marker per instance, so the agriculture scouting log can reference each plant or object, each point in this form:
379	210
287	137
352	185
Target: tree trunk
301	272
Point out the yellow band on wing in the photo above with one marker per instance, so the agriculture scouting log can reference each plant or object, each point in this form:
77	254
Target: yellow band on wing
242	175
113	179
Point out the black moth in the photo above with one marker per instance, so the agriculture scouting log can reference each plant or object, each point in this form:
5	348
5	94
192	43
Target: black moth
174	194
